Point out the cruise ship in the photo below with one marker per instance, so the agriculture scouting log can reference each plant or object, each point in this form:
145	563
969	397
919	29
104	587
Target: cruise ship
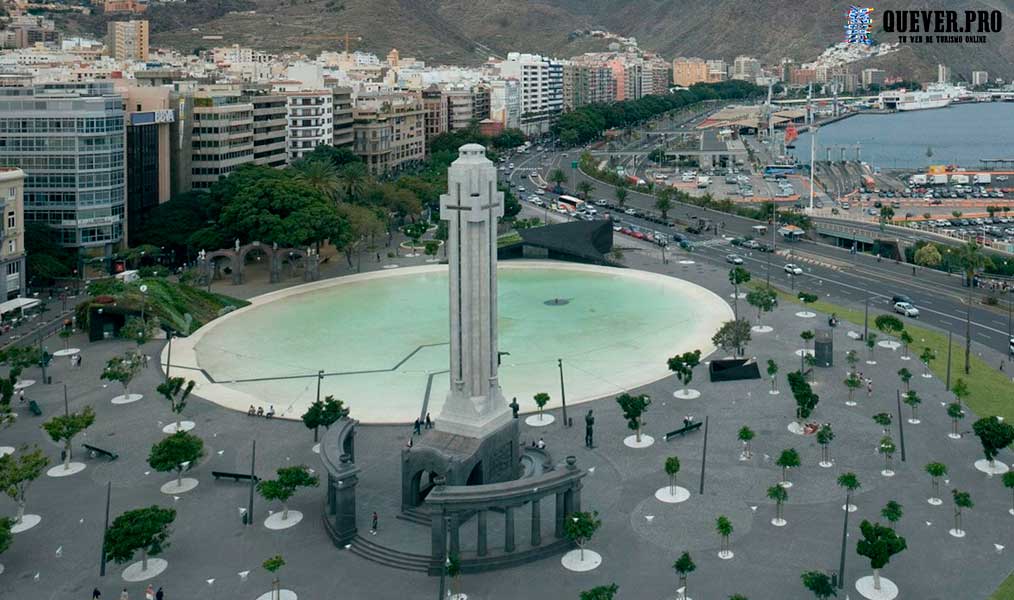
934	96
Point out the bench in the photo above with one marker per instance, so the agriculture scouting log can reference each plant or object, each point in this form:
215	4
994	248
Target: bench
96	450
234	476
684	430
34	407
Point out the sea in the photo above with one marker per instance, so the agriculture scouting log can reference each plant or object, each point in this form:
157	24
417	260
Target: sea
960	134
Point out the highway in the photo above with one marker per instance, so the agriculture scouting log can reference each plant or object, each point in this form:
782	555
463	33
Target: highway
830	271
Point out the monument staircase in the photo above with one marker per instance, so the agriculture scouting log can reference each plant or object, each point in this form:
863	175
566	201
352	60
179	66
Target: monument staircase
389	557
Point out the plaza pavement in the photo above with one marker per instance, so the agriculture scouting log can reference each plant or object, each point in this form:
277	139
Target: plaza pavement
210	547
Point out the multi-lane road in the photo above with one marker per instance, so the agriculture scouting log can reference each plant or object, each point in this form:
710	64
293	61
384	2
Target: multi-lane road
830	271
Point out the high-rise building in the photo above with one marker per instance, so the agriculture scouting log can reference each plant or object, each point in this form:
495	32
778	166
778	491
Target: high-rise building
270	127
212	136
149	120
873	77
505	102
587	81
311	121
128	40
459	108
480	102
980	77
435	107
68	138
12	232
390	130
718	70
541	82
688	71
801	76
746	68
943	74
344	131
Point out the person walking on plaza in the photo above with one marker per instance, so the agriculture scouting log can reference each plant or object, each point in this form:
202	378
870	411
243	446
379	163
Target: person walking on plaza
429	421
416	425
159	595
149	592
374	521
96	594
124	595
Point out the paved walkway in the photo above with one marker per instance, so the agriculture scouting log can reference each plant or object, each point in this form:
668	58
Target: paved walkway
210	547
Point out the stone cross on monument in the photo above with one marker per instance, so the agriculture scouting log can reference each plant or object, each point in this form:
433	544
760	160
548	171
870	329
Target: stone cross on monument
475	405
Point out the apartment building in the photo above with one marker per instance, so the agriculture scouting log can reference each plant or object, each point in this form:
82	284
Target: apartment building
12	232
481	101
128	40
873	77
435	111
718	70
310	121
587	82
980	77
746	68
344	131
389	130
688	71
68	138
270	125
505	102
212	136
541	82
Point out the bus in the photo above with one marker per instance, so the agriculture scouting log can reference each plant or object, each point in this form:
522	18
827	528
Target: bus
570	203
780	169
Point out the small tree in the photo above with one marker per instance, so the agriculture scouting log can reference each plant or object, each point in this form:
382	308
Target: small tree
764	299
174	452
584	188
906	340
806	297
1008	482
63	428
853	383
541	400
852	358
683	366
272	565
936	470
323	414
962	500
289	480
19	358
927	356
737	277
139	331
772	371
850	483
732	336
994	435
887	448
889	324
788	459
6	537
960	391
956	413
143	529
807	337
724	528
884	420
892	513
17	472
806	400
871	344
672	468
453	570
430	247
633	408
684	566
906	376
746	435
579	527
602	592
825	435
879	544
778	493
123	369
819	584
175	390
913	400
621	195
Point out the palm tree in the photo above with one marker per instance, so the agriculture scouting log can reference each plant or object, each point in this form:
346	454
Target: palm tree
906	339
584	188
956	413
737	277
684	566
807	337
621	195
746	435
664	202
962	500
352	178
779	495
724	528
913	400
892	513
906	377
936	470
850	483
320	175
972	260
558	177
788	459
1008	482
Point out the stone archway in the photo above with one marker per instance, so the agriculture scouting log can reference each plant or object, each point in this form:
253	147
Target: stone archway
208	262
255	250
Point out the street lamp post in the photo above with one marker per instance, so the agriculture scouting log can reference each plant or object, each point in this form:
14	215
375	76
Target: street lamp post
563	394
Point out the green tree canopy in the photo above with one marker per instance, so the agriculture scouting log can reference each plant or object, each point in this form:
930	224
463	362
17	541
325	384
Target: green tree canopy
174	451
602	592
732	336
63	428
994	435
143	529
879	544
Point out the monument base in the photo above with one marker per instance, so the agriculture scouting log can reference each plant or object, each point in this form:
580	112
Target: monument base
463	460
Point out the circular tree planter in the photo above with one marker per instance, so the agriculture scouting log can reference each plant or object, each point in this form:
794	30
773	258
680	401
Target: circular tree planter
773	392
779	522
887	473
134	572
738	296
854	335
889	344
934	501
572	561
825	464
914	421
997	468
954	436
631	441
851	507
27	522
282	595
927	376
796	428
804	352
187	484
958	533
686	394
851	403
315	449
24	383
686	262
71	469
785	484
184	426
905	357
672	496
725	554
762	329
538	420
275	521
67	352
805	314
127	398
871	362
5	450
887	591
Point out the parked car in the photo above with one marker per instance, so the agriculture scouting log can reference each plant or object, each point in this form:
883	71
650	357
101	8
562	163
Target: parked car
793	269
906	308
734	259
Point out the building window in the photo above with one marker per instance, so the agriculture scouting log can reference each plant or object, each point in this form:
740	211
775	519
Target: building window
10	220
13	268
12	246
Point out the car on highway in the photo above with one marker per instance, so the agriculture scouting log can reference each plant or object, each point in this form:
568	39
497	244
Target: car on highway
521	189
906	308
602	202
734	259
536	201
900	298
793	269
751	244
630	211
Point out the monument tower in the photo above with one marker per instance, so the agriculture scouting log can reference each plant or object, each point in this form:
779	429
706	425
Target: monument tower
475	438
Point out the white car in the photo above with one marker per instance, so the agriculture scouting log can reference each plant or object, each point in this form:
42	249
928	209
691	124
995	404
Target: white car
601	202
906	308
793	269
630	211
734	259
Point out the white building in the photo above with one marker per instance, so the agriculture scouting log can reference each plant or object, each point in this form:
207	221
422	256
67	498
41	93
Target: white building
980	77
541	82
505	102
310	119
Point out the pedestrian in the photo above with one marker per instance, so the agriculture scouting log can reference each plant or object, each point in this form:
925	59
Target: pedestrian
415	426
149	592
374	522
124	595
429	421
869	388
96	594
159	595
21	395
